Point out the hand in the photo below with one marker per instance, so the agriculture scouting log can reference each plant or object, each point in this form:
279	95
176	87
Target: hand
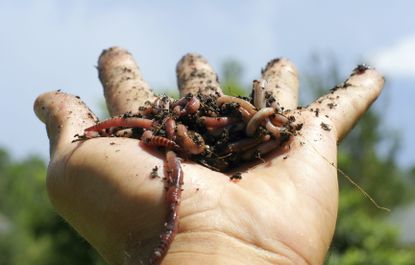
283	211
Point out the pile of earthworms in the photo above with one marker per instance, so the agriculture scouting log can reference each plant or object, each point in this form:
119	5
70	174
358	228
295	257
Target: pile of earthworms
218	131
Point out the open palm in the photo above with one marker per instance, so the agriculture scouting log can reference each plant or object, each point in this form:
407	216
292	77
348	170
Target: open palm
283	211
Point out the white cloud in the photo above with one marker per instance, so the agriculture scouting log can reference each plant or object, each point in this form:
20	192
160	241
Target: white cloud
398	59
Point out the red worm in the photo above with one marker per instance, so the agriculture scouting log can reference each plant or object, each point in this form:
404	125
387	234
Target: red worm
257	119
245	144
149	138
180	102
174	182
170	128
274	130
188	143
217	122
131	122
236	127
246	116
278	119
261	149
243	103
191	106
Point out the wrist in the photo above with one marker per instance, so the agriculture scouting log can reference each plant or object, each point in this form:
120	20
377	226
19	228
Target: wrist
219	248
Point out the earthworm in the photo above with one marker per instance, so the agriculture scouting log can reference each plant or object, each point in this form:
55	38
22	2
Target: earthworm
131	122
243	103
174	182
181	102
191	142
245	144
274	130
191	106
261	149
256	120
217	122
246	116
259	93
278	119
177	111
170	128
236	127
149	138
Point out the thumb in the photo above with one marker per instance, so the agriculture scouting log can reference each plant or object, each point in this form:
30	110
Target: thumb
64	115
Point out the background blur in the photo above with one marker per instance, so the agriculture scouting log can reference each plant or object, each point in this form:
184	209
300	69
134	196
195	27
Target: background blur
49	45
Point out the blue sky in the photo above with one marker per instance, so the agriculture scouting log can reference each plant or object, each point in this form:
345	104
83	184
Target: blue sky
48	45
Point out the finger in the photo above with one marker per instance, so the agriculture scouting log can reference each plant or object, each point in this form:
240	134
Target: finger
349	100
124	87
194	74
283	83
64	116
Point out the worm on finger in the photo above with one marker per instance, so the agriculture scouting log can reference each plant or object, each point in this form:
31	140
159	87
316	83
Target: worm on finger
131	122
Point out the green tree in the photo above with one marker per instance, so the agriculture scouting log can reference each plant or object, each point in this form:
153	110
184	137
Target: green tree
32	232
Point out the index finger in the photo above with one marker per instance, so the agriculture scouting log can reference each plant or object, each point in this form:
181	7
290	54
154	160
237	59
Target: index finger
124	87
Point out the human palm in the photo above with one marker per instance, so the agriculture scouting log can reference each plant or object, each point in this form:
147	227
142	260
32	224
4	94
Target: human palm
283	211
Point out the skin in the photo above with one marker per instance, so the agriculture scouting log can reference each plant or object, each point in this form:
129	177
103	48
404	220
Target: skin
283	211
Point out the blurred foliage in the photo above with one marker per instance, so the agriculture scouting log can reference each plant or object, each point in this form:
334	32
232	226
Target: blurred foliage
231	77
32	233
30	230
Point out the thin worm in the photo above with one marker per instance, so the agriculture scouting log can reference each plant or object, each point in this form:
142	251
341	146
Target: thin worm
131	122
256	120
177	111
170	128
217	122
180	102
174	182
243	103
278	119
192	106
236	127
187	143
245	144
274	130
261	149
246	116
149	138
